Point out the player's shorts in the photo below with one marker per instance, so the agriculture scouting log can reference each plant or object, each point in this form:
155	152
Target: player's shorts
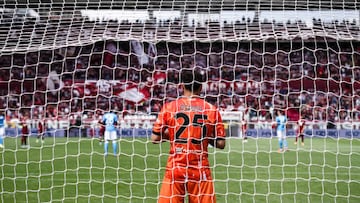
197	191
281	134
2	131
110	135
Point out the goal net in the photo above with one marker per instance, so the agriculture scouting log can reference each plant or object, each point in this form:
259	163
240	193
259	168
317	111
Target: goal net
64	64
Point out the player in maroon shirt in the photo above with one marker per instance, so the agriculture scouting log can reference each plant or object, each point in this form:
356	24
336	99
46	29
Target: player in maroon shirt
24	132
300	132
101	132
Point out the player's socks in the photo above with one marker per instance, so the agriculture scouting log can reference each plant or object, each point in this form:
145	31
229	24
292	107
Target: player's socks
114	147
106	146
280	144
1	141
285	143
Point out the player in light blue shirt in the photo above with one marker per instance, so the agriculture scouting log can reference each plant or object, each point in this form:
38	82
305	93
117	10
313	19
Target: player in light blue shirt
110	120
281	122
2	129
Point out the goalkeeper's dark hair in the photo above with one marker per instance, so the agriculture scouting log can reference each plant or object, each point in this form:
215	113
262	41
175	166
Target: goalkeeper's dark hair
192	79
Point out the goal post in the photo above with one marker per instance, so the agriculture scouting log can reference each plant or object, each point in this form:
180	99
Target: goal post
64	64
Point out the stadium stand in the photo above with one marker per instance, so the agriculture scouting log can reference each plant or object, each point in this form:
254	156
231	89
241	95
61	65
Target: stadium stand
309	74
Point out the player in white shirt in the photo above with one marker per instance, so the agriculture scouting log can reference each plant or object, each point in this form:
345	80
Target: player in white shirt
110	120
243	118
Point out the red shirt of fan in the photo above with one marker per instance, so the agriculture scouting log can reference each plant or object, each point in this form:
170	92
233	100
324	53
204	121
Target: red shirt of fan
190	123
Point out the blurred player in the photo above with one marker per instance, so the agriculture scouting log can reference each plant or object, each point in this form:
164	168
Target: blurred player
40	127
190	124
281	121
94	125
110	121
243	127
24	133
101	133
2	129
300	132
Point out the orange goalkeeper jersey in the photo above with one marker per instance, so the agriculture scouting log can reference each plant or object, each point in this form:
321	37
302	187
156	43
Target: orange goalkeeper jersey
190	122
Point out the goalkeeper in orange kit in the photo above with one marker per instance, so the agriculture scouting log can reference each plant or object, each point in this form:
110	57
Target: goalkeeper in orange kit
190	124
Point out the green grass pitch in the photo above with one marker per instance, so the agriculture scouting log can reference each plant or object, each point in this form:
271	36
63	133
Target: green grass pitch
75	170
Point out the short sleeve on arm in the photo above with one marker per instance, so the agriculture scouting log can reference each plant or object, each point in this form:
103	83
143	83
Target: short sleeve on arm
160	122
219	125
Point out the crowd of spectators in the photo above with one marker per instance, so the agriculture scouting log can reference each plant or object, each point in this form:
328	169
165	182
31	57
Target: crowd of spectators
317	80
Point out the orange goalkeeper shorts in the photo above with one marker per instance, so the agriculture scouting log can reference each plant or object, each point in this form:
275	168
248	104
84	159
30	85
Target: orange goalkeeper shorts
197	191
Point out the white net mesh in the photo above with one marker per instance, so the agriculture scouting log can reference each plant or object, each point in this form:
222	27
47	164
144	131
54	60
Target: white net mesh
65	63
